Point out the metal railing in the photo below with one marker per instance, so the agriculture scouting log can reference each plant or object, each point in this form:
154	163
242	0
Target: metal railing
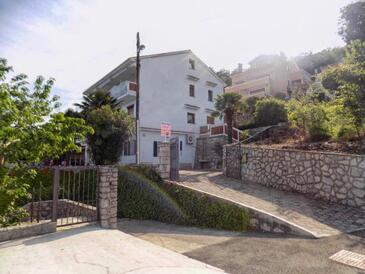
212	131
75	195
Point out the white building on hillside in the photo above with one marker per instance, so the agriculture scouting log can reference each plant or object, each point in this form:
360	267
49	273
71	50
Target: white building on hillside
175	87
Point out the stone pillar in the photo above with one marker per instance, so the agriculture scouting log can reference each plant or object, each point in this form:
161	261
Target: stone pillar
164	159
108	196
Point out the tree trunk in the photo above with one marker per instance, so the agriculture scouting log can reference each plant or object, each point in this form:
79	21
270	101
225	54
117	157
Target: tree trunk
229	117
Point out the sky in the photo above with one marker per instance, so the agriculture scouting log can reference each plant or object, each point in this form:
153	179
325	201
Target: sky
79	41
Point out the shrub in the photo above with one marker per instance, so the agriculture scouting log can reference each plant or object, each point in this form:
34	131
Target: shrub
142	198
270	111
205	211
310	118
340	121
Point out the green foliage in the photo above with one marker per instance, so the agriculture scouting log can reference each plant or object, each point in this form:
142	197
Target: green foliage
225	75
95	101
111	129
207	212
310	118
352	22
227	105
340	122
347	82
30	131
141	198
270	111
312	61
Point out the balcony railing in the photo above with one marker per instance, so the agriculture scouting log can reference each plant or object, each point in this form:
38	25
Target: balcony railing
212	131
125	88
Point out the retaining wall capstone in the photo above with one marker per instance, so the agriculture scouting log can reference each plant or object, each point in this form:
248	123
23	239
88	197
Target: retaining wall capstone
26	230
333	177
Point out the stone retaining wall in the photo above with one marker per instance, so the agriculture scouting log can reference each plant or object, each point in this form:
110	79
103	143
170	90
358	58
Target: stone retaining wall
65	208
26	230
333	177
209	151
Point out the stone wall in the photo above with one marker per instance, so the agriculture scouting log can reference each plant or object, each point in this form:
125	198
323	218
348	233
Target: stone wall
108	196
26	230
209	152
333	177
164	159
65	208
232	161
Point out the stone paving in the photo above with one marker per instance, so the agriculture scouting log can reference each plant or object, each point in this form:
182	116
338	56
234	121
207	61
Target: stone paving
320	218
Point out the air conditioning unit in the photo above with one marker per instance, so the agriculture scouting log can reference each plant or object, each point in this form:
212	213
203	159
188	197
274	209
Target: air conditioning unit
189	139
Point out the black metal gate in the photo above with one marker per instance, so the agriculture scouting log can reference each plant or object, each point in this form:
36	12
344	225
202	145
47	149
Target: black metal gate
75	195
174	159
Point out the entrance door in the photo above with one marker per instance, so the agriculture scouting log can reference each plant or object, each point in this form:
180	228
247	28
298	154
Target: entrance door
174	159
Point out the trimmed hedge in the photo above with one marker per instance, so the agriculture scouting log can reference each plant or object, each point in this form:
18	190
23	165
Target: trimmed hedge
141	198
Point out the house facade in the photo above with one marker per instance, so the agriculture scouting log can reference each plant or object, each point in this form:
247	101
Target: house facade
267	75
175	88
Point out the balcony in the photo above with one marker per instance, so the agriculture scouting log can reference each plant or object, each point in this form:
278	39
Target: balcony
212	131
124	92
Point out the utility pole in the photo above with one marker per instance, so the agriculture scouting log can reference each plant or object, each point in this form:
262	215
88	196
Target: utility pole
138	67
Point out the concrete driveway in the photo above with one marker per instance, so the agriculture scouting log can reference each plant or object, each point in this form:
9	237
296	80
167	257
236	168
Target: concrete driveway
91	250
251	252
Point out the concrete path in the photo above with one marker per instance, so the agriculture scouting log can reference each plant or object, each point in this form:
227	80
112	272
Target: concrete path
93	250
250	252
317	217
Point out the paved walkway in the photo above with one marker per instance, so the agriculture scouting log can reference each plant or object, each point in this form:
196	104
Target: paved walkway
92	250
320	218
250	252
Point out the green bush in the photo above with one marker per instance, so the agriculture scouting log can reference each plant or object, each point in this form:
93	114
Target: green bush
340	122
310	118
205	211
270	111
141	198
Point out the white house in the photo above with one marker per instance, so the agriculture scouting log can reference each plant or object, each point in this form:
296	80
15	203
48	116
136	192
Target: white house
175	87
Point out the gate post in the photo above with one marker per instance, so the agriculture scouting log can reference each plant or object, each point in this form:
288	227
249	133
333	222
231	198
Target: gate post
56	184
108	196
164	160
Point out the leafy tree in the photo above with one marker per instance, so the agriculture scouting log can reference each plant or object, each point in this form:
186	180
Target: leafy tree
225	75
311	62
352	22
95	101
347	81
270	111
30	131
227	105
111	129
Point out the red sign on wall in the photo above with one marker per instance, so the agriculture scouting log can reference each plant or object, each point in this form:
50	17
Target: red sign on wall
165	129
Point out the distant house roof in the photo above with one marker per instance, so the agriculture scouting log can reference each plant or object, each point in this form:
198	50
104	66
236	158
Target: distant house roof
132	60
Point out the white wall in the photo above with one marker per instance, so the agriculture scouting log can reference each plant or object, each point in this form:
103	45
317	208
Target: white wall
165	90
186	155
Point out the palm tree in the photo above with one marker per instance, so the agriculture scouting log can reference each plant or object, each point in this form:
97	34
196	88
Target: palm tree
227	105
95	101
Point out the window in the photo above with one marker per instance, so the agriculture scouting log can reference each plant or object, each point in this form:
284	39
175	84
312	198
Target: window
210	120
191	64
154	148
192	90
210	95
191	118
181	145
130	110
129	148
